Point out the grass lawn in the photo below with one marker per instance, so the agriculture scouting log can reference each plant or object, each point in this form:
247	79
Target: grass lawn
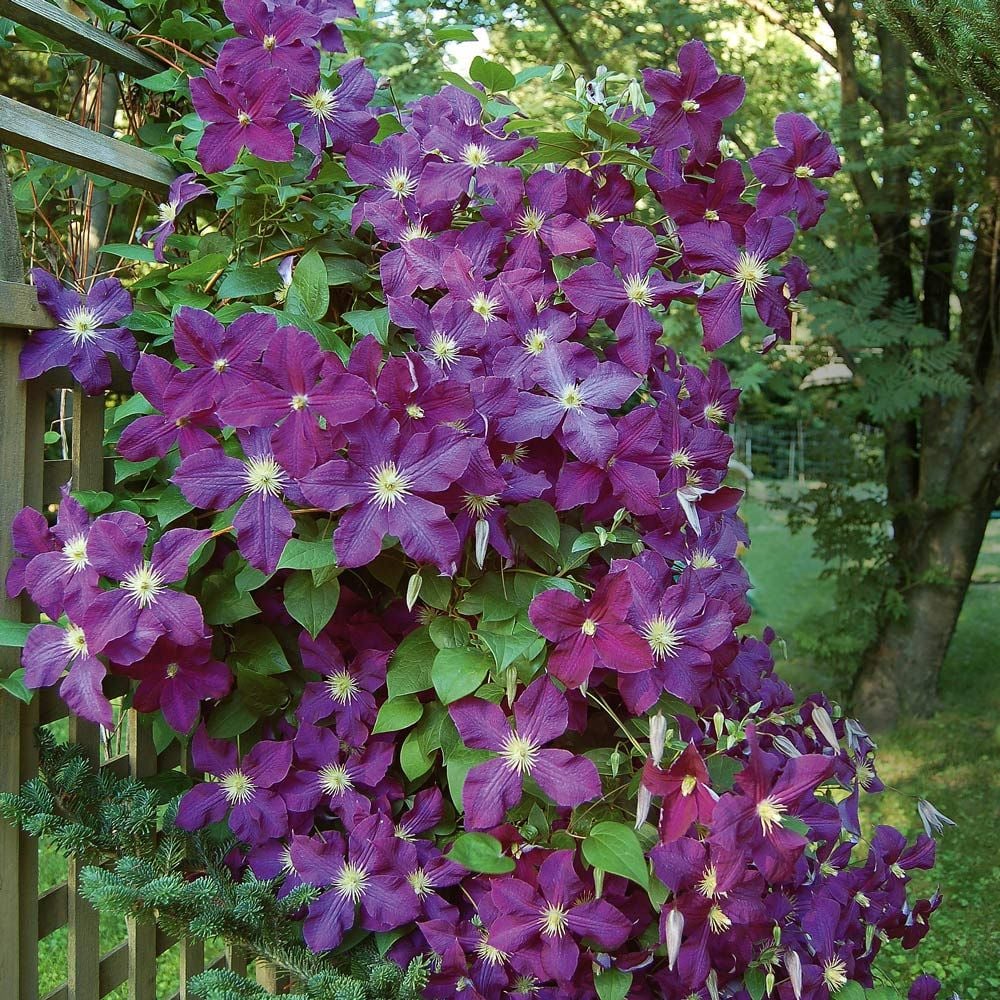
950	759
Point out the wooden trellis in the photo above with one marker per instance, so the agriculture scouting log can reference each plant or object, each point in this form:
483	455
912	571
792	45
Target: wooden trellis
26	479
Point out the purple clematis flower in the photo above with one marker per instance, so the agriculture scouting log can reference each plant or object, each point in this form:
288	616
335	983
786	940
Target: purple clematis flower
65	574
709	249
384	483
751	818
419	396
590	633
31	536
87	332
223	358
154	435
290	390
541	715
690	199
183	190
272	38
48	651
347	690
625	298
786	170
686	792
365	878
690	107
176	679
242	112
338	119
243	789
541	925
125	622
329	37
577	396
212	480
625	478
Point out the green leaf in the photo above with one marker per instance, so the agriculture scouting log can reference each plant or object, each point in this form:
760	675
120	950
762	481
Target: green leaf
14	633
851	991
129	251
344	271
615	848
410	667
414	758
450	633
398	713
511	640
753	980
491	75
479	852
223	603
230	719
458	672
14	684
722	770
246	281
454	33
309	292
93	501
170	505
435	590
201	269
162	83
261	694
310	605
540	518
257	650
369	321
301	554
613	984
554	147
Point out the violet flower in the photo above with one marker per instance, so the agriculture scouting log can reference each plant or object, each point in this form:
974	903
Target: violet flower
278	37
338	119
590	633
384	483
686	792
626	298
183	190
31	536
176	679
223	359
212	480
243	789
690	107
244	112
543	924
786	170
87	332
329	37
577	396
291	390
363	885
709	249
48	651
541	715
153	434
125	622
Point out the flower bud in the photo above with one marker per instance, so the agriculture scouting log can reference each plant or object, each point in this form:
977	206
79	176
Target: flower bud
642	805
558	71
581	87
635	96
598	882
713	984
657	737
510	676
793	964
769	983
719	722
482	538
413	590
675	928
933	819
786	746
822	721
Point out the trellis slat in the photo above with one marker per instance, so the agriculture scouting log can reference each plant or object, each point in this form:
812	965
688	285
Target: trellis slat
20	308
39	132
53	910
142	950
55	23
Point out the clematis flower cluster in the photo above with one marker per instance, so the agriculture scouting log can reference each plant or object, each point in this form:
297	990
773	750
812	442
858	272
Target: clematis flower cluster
452	619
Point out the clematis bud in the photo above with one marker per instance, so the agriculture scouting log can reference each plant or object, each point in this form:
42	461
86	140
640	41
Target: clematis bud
793	964
933	819
675	928
635	97
598	882
642	805
510	676
769	983
657	737
482	538
822	721
787	747
719	722
581	88
413	590
713	985
558	72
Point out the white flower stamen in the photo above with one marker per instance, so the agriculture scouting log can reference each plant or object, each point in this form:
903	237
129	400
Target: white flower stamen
239	787
144	583
82	324
264	475
388	484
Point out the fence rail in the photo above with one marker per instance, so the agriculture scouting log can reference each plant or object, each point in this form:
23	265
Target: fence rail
26	915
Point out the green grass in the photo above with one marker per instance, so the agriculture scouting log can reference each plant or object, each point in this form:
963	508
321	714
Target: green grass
950	759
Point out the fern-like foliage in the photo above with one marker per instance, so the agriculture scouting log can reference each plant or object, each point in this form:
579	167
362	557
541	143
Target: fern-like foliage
959	38
139	864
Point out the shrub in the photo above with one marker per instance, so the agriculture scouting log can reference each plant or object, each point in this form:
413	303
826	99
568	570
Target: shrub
424	540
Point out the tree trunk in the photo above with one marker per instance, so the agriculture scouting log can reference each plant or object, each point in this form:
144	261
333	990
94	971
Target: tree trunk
938	540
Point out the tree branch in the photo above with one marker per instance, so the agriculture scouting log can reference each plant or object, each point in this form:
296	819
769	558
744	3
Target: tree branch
586	64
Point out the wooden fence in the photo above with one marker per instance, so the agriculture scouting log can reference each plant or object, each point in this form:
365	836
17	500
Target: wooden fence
27	917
